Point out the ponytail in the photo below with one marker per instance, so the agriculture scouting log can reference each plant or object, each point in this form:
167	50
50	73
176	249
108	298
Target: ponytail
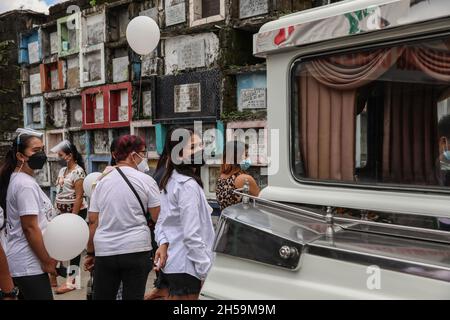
8	166
6	171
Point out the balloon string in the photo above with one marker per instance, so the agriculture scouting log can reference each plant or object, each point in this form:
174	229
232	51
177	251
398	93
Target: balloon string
140	90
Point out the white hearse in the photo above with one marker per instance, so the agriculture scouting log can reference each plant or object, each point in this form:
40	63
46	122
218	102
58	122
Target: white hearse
359	207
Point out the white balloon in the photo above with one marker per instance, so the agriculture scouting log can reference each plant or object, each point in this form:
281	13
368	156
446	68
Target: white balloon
143	35
66	236
89	181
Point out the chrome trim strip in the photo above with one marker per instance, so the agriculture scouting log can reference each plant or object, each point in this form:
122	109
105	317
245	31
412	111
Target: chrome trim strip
318	217
391	226
310	214
384	262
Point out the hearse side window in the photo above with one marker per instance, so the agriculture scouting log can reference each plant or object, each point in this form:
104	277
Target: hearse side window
374	117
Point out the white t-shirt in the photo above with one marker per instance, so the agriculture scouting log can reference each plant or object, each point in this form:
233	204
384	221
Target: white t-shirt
2	231
24	197
122	227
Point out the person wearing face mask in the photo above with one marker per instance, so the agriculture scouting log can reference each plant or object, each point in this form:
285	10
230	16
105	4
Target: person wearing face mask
7	289
184	230
443	172
119	247
70	197
235	162
28	210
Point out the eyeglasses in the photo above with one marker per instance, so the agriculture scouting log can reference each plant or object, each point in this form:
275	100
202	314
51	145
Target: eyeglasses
142	154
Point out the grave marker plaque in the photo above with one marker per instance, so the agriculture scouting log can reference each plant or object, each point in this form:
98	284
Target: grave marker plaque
253	98
152	13
101	141
120	69
175	12
147	103
35	83
251	8
95	33
33	52
187	98
192	55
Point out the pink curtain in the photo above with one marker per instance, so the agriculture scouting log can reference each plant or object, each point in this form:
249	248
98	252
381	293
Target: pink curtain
327	95
328	109
352	71
327	125
435	63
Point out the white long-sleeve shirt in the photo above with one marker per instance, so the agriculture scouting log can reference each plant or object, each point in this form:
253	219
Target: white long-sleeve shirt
185	223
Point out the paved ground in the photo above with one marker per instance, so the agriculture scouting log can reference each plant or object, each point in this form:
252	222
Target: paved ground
81	294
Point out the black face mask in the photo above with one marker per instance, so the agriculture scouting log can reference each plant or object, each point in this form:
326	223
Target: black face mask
182	167
37	160
62	162
198	156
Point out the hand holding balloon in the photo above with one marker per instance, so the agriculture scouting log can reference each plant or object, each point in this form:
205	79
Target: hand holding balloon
66	236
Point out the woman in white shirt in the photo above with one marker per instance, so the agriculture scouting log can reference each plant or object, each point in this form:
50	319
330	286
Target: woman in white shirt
7	289
70	197
28	209
120	243
184	230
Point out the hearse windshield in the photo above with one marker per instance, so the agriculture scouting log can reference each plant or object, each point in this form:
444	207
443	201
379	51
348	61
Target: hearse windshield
374	116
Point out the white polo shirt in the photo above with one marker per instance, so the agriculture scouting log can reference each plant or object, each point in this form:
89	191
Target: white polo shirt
122	226
185	223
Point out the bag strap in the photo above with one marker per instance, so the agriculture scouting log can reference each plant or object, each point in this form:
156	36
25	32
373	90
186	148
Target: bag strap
146	214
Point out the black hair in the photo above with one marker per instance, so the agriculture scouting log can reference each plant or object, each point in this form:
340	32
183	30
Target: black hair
9	165
184	169
72	149
164	156
444	127
113	149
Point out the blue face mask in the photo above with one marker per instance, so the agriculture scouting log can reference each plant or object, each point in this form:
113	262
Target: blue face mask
446	152
246	164
447	155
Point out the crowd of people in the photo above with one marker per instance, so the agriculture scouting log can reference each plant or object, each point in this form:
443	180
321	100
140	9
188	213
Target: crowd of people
138	221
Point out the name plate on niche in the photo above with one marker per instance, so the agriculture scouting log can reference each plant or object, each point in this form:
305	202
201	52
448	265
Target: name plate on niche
187	98
152	13
175	12
192	55
251	8
147	103
254	98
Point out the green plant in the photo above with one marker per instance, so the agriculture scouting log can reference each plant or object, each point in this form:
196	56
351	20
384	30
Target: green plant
246	115
5	66
93	3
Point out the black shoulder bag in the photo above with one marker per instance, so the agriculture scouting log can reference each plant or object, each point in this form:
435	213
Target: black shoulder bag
147	216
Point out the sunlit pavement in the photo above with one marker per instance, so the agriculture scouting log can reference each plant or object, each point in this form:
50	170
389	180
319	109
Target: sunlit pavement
81	294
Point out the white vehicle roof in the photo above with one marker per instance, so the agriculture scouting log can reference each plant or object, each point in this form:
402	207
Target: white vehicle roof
342	19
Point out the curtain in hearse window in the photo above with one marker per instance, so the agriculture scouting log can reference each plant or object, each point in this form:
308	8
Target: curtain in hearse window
374	116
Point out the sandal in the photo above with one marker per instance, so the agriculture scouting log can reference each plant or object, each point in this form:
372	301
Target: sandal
66	287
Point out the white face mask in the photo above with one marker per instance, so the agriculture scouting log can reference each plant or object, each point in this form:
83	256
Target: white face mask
143	165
